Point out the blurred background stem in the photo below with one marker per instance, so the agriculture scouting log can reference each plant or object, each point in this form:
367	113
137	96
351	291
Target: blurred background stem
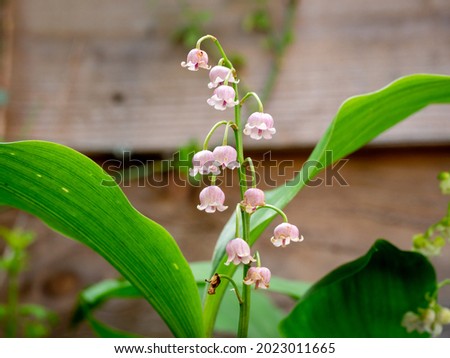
13	294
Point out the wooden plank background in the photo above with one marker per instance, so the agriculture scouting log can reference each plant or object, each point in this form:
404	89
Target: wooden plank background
6	43
101	76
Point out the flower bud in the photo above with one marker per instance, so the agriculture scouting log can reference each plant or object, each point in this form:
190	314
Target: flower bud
259	125
238	252
226	156
218	75
196	59
204	163
222	98
212	198
284	234
253	198
260	276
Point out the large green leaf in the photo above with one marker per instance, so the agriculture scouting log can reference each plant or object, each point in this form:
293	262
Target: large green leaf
359	120
74	196
366	297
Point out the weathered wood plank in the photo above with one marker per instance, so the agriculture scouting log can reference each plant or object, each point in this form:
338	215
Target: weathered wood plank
6	52
110	79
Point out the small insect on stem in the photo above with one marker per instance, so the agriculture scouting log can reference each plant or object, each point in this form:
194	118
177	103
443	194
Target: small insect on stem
214	282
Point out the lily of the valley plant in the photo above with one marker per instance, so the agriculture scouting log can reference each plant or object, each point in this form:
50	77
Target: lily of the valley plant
385	293
225	82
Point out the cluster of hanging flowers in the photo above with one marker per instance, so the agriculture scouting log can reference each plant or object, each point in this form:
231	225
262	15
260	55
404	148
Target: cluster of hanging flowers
430	319
259	125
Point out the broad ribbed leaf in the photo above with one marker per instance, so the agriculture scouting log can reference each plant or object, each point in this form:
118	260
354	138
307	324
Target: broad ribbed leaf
74	196
366	297
359	120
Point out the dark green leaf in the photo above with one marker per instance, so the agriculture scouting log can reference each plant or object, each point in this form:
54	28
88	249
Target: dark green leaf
95	295
366	297
104	331
74	196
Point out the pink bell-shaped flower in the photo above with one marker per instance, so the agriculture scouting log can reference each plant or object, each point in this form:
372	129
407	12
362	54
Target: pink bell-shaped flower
259	125
212	198
253	198
284	234
218	75
260	276
204	163
226	156
238	251
222	98
196	59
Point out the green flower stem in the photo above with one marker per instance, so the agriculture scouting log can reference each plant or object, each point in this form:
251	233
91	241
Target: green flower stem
258	259
238	211
227	78
211	132
206	37
225	134
249	94
443	283
252	170
244	312
226	61
13	295
274	208
236	289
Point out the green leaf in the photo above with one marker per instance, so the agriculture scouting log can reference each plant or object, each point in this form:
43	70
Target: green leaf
74	196
104	331
97	294
16	238
38	312
359	120
366	297
292	288
35	330
264	316
37	321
